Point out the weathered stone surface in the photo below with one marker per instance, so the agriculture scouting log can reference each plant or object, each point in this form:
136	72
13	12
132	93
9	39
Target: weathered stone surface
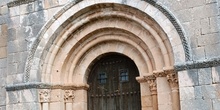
33	18
29	95
2	102
212	51
208	39
198	104
12	34
208	11
209	91
3	51
188	78
3	63
14	22
3	107
205	76
13	97
50	3
13	46
14	11
195	3
211	1
184	15
216	104
187	93
3	41
216	74
4	9
38	5
3	72
199	53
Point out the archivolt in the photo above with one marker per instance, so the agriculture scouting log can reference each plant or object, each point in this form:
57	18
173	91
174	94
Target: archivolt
72	43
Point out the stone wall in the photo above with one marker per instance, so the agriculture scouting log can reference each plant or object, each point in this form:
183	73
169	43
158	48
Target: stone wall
199	88
199	20
20	24
3	52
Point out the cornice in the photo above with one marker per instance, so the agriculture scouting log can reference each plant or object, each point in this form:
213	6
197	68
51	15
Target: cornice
198	64
19	2
38	85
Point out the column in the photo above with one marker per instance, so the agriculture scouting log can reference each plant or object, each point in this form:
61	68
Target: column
151	80
173	81
44	95
163	91
146	97
80	98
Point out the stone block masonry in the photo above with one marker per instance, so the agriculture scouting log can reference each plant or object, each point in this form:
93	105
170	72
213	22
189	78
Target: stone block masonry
199	88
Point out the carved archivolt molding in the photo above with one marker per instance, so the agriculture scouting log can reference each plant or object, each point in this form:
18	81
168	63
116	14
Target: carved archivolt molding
69	95
44	95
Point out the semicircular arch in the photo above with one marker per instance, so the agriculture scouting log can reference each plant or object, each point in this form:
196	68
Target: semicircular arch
59	29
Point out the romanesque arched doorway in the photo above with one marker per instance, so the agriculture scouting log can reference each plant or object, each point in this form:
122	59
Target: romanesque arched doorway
84	30
113	85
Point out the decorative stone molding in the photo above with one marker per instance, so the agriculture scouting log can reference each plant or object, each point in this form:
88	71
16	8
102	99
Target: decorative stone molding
19	2
176	25
151	80
161	73
198	64
171	71
164	72
44	95
38	85
69	95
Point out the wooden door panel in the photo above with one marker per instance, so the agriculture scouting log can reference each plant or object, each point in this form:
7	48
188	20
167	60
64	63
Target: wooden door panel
113	85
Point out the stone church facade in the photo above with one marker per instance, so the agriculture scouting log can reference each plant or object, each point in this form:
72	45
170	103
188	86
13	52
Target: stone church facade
51	49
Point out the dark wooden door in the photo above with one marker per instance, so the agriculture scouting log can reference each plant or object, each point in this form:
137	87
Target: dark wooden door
113	85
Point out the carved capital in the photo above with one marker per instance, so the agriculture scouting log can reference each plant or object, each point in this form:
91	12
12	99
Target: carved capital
69	95
44	95
159	73
170	71
141	79
151	80
173	80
